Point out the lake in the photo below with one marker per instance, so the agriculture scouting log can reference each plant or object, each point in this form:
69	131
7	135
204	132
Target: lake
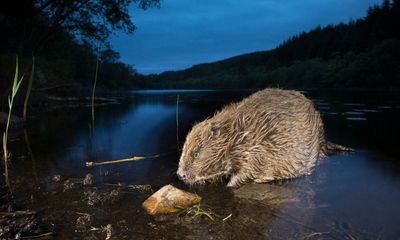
348	196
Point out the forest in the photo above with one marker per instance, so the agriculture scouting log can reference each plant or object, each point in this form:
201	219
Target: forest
67	39
363	53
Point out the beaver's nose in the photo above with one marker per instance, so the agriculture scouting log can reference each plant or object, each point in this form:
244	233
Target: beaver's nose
181	175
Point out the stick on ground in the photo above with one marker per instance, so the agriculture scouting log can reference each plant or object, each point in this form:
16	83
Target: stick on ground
134	158
93	164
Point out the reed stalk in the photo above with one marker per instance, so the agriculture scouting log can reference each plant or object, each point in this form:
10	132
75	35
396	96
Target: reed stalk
29	89
94	84
15	87
177	121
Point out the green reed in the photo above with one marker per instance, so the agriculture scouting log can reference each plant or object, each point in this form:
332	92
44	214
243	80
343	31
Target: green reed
15	86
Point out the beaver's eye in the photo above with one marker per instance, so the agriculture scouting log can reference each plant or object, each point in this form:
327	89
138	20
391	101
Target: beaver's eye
196	155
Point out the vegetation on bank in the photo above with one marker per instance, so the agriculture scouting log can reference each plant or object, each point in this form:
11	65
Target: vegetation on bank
364	53
64	36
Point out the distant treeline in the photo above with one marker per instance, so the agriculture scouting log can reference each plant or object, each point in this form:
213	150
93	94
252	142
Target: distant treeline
364	53
65	37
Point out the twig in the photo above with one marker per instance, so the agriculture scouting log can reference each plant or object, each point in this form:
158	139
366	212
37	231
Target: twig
57	86
84	214
93	164
54	98
38	236
29	89
227	217
17	213
94	229
177	121
134	158
94	84
351	236
314	234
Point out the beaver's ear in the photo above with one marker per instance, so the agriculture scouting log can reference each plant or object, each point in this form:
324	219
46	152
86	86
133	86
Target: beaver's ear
215	130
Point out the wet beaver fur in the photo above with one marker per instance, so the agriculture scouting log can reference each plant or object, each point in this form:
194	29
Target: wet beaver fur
272	134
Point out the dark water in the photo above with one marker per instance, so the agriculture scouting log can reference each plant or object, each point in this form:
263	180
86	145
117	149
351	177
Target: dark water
354	196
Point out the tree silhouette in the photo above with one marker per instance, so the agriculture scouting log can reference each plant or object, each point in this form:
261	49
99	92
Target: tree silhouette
34	22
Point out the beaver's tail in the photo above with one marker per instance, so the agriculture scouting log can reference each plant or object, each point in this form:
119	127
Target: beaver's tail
331	148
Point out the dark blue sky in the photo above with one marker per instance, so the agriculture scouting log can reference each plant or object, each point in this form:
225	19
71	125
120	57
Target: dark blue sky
186	32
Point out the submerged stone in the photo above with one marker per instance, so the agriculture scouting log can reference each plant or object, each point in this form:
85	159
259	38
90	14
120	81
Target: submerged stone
265	192
169	199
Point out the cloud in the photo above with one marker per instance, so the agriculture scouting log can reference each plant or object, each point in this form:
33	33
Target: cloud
186	32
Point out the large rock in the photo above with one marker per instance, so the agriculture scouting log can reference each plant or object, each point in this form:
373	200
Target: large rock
169	199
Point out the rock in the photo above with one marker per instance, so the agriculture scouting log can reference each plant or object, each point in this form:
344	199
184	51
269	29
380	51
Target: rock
265	192
83	222
108	230
68	185
88	181
169	199
56	178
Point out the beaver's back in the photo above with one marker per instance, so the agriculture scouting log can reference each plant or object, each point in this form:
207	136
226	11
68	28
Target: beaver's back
274	134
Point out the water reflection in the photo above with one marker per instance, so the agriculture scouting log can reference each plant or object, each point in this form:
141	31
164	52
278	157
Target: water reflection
343	198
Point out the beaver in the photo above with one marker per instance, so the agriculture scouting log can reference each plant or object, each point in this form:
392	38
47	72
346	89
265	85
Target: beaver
272	134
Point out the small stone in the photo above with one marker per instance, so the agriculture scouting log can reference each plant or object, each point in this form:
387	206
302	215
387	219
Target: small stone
169	199
83	222
109	230
92	197
88	181
68	185
56	178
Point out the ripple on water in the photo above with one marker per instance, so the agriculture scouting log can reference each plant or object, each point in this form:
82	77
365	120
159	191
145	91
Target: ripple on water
356	118
354	113
321	103
384	107
353	104
330	113
367	110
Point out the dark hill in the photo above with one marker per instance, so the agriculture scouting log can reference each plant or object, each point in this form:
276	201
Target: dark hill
360	54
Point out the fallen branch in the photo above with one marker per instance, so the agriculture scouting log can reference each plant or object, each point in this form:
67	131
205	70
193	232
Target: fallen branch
227	217
57	86
93	164
17	213
55	98
38	236
134	158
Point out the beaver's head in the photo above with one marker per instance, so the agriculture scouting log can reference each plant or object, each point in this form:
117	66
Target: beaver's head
204	154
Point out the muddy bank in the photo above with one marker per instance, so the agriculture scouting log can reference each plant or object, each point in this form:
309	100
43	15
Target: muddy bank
90	208
87	209
17	222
